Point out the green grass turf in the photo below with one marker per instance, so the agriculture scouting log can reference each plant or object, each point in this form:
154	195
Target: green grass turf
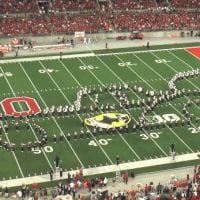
55	82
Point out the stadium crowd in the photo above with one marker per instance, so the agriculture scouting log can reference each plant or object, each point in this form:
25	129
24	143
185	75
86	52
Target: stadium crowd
134	4
79	187
49	16
97	22
31	6
185	3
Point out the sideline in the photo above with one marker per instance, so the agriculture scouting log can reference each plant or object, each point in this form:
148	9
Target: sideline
101	170
13	60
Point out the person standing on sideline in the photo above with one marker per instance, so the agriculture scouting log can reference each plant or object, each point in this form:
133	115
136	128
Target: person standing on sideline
61	171
117	159
148	45
106	45
56	161
51	174
61	55
16	53
172	149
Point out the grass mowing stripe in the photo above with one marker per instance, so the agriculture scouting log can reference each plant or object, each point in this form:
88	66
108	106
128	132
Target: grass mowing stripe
180	59
51	115
30	125
184	78
188	66
117	100
163	80
76	112
139	51
5	132
170	104
13	153
185	64
133	151
98	107
20	106
175	70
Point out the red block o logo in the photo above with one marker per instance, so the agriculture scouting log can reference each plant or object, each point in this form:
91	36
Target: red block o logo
9	109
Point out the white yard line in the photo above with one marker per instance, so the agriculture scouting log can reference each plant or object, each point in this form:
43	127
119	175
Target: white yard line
45	58
185	64
189	67
30	125
176	72
84	55
51	115
102	170
20	170
169	103
72	88
4	129
100	109
143	51
118	101
66	98
92	54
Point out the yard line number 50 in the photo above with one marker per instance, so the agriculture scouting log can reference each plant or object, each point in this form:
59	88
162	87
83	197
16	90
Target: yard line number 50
47	149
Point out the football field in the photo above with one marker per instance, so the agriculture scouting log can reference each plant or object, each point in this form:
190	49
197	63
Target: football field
36	91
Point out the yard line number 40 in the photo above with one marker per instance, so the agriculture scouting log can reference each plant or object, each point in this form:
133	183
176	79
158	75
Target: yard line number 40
100	141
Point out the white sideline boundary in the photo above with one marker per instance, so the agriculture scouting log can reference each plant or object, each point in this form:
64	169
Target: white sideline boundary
145	51
13	60
102	169
78	55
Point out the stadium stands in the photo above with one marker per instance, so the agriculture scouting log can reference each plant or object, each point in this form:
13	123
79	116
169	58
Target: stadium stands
185	3
72	5
44	17
13	6
133	4
77	186
46	6
98	21
148	21
177	4
30	6
12	26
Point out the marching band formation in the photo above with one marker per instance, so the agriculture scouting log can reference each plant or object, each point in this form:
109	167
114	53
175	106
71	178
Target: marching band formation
150	101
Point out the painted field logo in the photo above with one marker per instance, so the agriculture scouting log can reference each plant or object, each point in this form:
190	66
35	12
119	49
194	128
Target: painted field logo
9	108
108	120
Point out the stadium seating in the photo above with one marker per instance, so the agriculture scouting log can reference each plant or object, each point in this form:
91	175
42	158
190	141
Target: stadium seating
12	26
185	3
45	6
46	17
73	5
133	4
128	21
30	6
83	22
178	4
21	6
92	23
